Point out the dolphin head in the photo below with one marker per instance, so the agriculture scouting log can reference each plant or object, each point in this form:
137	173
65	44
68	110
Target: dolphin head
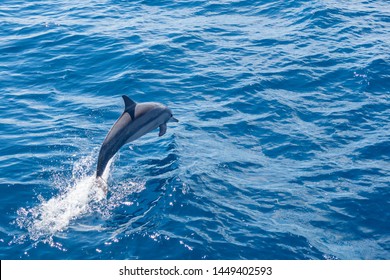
165	113
172	118
165	117
155	109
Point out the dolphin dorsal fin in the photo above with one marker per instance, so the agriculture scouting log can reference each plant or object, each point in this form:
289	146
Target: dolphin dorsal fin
129	105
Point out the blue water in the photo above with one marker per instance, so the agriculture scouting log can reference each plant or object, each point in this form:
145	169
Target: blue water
282	150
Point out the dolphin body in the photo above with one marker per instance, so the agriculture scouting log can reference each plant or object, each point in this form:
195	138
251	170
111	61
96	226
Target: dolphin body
136	120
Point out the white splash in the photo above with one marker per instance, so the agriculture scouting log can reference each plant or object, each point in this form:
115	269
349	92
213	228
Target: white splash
79	196
56	213
76	199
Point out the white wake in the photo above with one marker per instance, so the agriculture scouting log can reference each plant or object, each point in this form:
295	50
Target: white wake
79	196
75	199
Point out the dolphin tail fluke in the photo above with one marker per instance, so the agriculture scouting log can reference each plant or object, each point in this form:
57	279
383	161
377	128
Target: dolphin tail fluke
101	184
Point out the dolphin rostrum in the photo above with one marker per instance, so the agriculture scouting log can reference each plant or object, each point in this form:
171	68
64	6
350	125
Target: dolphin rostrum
136	120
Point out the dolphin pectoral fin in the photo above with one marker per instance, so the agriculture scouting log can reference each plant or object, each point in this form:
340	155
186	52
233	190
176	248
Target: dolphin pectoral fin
163	129
129	105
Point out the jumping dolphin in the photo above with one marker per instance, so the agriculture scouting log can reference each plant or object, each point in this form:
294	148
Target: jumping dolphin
136	120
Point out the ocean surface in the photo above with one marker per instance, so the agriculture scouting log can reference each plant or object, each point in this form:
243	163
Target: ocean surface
282	150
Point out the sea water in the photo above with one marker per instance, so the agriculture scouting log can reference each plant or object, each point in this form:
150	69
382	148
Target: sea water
282	150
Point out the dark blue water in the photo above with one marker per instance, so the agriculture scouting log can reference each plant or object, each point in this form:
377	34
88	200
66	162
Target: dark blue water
282	150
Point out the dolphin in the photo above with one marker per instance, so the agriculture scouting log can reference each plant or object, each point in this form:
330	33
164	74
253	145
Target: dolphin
136	120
